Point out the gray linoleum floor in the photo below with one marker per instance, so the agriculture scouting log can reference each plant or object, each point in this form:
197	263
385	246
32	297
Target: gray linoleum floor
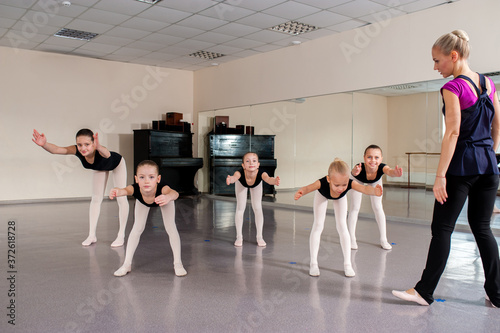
61	286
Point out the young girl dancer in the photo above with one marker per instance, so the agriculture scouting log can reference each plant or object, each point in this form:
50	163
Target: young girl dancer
334	187
370	172
98	158
150	192
250	177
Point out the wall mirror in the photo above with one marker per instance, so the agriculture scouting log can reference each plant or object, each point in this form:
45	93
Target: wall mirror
309	132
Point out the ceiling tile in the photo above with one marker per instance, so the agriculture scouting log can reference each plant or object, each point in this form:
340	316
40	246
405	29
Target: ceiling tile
181	31
113	40
420	5
213	37
259	5
291	10
226	12
194	45
191	6
122	7
140	44
202	22
12	13
162	39
143	24
224	49
99	47
261	20
19	4
7	23
103	16
244	43
236	29
33	18
128	51
127	33
324	4
163	14
358	8
347	25
324	19
267	36
89	26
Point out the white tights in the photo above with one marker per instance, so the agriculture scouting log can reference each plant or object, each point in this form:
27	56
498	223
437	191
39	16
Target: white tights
378	210
340	208
99	180
241	203
141	212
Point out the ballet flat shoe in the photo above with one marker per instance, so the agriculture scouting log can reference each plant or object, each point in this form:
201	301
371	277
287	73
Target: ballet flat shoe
179	270
409	297
314	270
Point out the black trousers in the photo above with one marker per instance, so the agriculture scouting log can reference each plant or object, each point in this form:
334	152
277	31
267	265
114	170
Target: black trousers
481	191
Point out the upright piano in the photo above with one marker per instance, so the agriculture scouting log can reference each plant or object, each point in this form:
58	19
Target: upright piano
226	153
173	152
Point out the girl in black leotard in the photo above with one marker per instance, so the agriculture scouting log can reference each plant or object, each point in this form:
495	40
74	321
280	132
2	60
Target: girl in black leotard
250	177
334	187
98	158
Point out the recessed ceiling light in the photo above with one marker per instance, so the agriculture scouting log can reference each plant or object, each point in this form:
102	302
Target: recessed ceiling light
151	2
75	34
206	55
293	28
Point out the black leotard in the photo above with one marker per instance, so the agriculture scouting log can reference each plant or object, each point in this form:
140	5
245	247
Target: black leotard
100	163
243	180
362	175
324	190
138	195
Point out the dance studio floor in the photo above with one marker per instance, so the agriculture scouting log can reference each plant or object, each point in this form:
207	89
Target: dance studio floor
61	286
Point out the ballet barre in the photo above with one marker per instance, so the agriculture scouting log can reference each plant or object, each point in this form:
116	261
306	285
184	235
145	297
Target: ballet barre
409	159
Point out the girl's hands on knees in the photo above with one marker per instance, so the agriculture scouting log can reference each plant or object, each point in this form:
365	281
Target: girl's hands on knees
378	190
162	200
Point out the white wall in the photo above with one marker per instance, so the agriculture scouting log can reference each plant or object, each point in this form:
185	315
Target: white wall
58	95
391	52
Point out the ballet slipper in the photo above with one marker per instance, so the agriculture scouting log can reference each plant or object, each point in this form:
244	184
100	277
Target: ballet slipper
348	271
122	271
314	270
118	242
238	242
261	242
354	245
179	270
89	241
488	299
404	295
385	245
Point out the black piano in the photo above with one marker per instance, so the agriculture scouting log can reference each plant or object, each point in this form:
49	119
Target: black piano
226	152
173	152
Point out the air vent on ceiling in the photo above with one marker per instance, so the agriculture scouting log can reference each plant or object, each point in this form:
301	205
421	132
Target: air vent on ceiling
403	87
75	34
206	55
151	2
492	74
293	28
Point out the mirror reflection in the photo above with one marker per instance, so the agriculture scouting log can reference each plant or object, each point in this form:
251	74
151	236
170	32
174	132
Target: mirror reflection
309	132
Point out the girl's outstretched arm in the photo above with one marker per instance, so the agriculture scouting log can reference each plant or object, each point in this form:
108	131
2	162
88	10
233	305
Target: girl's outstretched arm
307	189
167	195
270	180
103	151
368	189
41	141
396	172
232	179
120	192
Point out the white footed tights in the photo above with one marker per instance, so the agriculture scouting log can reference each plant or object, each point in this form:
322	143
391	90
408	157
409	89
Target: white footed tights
241	203
140	216
378	210
99	180
340	208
